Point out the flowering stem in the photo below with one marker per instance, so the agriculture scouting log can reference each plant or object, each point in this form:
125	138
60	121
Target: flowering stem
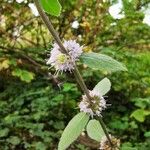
50	26
81	83
63	50
105	130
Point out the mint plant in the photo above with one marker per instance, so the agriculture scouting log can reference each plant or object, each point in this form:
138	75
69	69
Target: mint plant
63	57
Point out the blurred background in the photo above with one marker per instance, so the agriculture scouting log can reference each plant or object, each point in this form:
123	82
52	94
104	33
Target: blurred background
34	110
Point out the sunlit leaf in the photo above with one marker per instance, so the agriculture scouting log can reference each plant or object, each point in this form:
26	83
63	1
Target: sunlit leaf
140	114
4	64
24	75
27	76
52	7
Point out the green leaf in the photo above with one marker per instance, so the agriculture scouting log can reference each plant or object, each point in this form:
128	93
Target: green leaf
4	64
16	72
127	146
27	76
101	62
4	132
118	124
140	114
147	134
141	102
73	130
40	146
14	140
52	7
24	75
103	86
95	130
69	87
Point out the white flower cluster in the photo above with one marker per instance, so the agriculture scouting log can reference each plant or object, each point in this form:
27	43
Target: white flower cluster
63	62
96	105
105	145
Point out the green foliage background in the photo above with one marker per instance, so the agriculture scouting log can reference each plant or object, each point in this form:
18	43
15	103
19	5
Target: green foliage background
34	111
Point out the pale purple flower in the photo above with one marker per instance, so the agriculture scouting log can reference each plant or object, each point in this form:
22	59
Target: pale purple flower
63	62
96	105
73	48
104	141
105	145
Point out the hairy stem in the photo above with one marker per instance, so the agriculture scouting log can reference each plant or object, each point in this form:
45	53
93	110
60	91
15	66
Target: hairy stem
50	26
81	83
105	130
63	50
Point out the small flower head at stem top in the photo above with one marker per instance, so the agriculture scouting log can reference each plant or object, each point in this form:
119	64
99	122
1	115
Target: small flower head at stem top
65	62
105	145
93	107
